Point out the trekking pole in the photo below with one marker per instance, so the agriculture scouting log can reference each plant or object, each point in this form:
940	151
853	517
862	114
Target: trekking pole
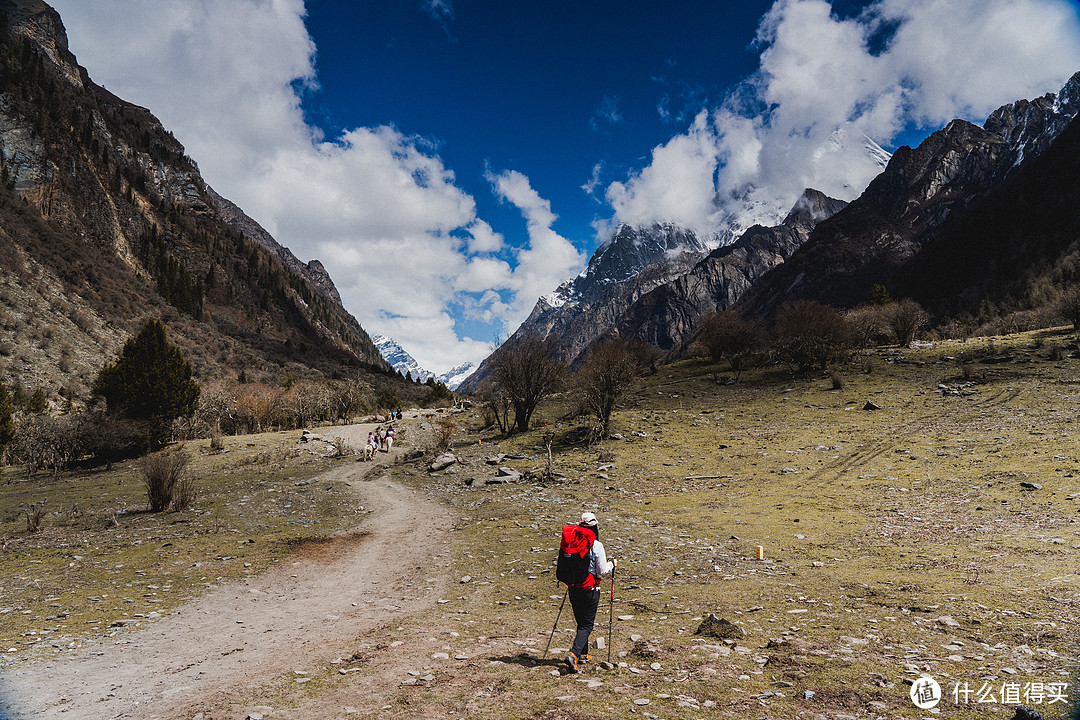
544	656
611	614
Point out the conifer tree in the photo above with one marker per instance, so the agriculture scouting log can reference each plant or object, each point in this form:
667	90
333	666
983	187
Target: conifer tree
151	382
7	417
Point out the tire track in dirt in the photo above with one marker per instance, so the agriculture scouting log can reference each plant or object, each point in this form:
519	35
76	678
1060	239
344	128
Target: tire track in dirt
301	614
843	466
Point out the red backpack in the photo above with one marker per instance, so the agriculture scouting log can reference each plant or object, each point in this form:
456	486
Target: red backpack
572	567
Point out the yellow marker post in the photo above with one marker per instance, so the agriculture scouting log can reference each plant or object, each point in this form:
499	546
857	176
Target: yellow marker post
760	552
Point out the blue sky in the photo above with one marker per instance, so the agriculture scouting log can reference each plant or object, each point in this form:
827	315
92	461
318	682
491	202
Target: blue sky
450	161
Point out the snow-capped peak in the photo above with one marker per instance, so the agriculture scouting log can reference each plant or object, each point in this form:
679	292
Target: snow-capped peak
406	364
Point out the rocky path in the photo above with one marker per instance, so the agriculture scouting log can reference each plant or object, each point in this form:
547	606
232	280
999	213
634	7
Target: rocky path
303	613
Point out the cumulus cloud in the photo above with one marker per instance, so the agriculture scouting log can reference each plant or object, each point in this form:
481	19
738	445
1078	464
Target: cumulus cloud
549	258
402	241
824	82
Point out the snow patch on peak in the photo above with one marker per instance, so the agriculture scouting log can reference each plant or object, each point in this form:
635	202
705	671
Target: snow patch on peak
406	364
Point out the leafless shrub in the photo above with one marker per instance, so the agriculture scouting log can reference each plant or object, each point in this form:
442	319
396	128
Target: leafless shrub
34	514
168	485
837	379
444	431
342	448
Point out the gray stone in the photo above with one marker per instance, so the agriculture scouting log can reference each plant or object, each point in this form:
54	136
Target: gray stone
442	462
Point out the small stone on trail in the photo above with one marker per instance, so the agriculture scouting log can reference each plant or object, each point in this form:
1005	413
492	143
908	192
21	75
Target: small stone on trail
1030	486
870	405
466	579
626	617
642	701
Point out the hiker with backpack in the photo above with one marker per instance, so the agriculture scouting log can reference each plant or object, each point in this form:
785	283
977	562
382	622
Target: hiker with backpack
582	560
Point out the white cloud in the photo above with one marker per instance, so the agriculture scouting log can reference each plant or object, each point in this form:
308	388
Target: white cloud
823	82
402	241
606	114
549	258
677	186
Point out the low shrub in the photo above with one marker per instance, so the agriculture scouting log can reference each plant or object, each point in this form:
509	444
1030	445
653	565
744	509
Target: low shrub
168	485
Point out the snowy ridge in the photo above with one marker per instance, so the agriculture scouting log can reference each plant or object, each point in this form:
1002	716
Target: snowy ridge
407	365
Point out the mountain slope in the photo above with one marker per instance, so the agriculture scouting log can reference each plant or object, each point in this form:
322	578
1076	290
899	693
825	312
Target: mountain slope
407	365
666	316
904	208
104	221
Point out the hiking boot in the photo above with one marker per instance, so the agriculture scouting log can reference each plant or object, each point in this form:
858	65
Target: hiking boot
571	662
582	659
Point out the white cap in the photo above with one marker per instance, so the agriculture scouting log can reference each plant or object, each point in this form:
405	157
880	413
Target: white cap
587	518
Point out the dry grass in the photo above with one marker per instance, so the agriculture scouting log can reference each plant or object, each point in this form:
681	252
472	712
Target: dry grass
895	542
99	558
881	529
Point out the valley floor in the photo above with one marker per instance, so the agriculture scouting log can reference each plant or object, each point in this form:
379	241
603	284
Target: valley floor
934	536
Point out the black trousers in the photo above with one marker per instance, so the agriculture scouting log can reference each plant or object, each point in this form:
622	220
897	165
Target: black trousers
584	602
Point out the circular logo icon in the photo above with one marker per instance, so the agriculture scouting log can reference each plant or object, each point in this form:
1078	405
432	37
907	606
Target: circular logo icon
925	692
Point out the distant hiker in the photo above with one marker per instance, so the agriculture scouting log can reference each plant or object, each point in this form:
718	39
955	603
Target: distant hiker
583	581
371	447
389	440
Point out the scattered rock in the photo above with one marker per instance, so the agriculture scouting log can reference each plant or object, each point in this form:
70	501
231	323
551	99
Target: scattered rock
716	627
871	405
1026	713
508	472
442	462
1030	486
947	621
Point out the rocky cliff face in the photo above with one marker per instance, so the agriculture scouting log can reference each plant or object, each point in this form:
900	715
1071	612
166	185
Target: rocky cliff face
104	221
633	262
669	314
904	207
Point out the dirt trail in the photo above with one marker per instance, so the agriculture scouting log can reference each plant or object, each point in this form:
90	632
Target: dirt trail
302	614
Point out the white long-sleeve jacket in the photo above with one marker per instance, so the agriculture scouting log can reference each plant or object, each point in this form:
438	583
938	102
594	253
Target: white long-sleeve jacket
598	562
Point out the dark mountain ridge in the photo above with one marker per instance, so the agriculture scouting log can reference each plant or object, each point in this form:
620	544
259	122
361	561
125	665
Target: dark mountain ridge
904	211
669	314
104	221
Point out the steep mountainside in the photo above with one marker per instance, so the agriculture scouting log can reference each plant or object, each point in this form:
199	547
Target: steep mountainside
105	221
664	317
633	262
637	261
1010	250
905	207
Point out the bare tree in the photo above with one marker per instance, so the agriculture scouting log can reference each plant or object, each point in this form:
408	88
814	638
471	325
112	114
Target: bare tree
809	334
610	369
497	404
526	369
1068	306
906	318
727	335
